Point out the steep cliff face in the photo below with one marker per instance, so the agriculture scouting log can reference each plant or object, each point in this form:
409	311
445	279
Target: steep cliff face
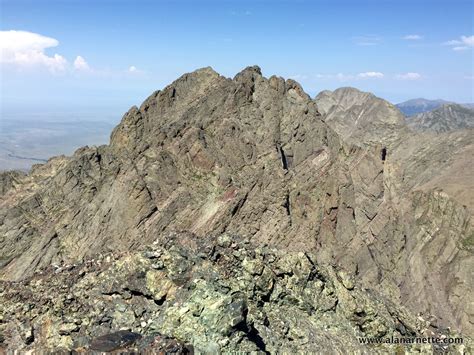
423	213
340	176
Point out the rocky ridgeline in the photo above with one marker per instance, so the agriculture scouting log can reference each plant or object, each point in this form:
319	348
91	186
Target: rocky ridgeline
340	177
213	294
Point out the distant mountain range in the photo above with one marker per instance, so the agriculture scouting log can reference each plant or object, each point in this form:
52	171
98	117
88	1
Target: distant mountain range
448	117
420	105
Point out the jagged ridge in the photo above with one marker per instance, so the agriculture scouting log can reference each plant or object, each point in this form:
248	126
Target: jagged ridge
253	156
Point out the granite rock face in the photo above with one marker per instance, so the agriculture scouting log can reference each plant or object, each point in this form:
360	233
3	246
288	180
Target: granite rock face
341	177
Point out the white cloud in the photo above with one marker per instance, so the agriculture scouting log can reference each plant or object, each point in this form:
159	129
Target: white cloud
27	49
465	42
453	42
344	77
369	40
408	76
348	77
135	72
370	74
339	76
413	37
81	64
298	77
468	40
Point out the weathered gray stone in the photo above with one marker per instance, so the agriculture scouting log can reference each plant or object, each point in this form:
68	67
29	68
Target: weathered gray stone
250	156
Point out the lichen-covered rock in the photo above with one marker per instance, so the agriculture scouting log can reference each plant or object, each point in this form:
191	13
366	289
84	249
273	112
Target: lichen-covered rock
209	297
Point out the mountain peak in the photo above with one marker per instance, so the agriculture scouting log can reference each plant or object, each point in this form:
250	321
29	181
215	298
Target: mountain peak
359	116
248	75
445	118
349	90
203	71
251	70
419	105
240	161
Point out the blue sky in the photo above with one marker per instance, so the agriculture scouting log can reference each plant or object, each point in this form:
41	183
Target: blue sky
113	54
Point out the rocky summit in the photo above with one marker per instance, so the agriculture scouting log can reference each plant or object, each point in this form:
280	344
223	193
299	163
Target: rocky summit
243	215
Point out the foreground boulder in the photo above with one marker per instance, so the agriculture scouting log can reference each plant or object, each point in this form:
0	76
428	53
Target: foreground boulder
189	294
